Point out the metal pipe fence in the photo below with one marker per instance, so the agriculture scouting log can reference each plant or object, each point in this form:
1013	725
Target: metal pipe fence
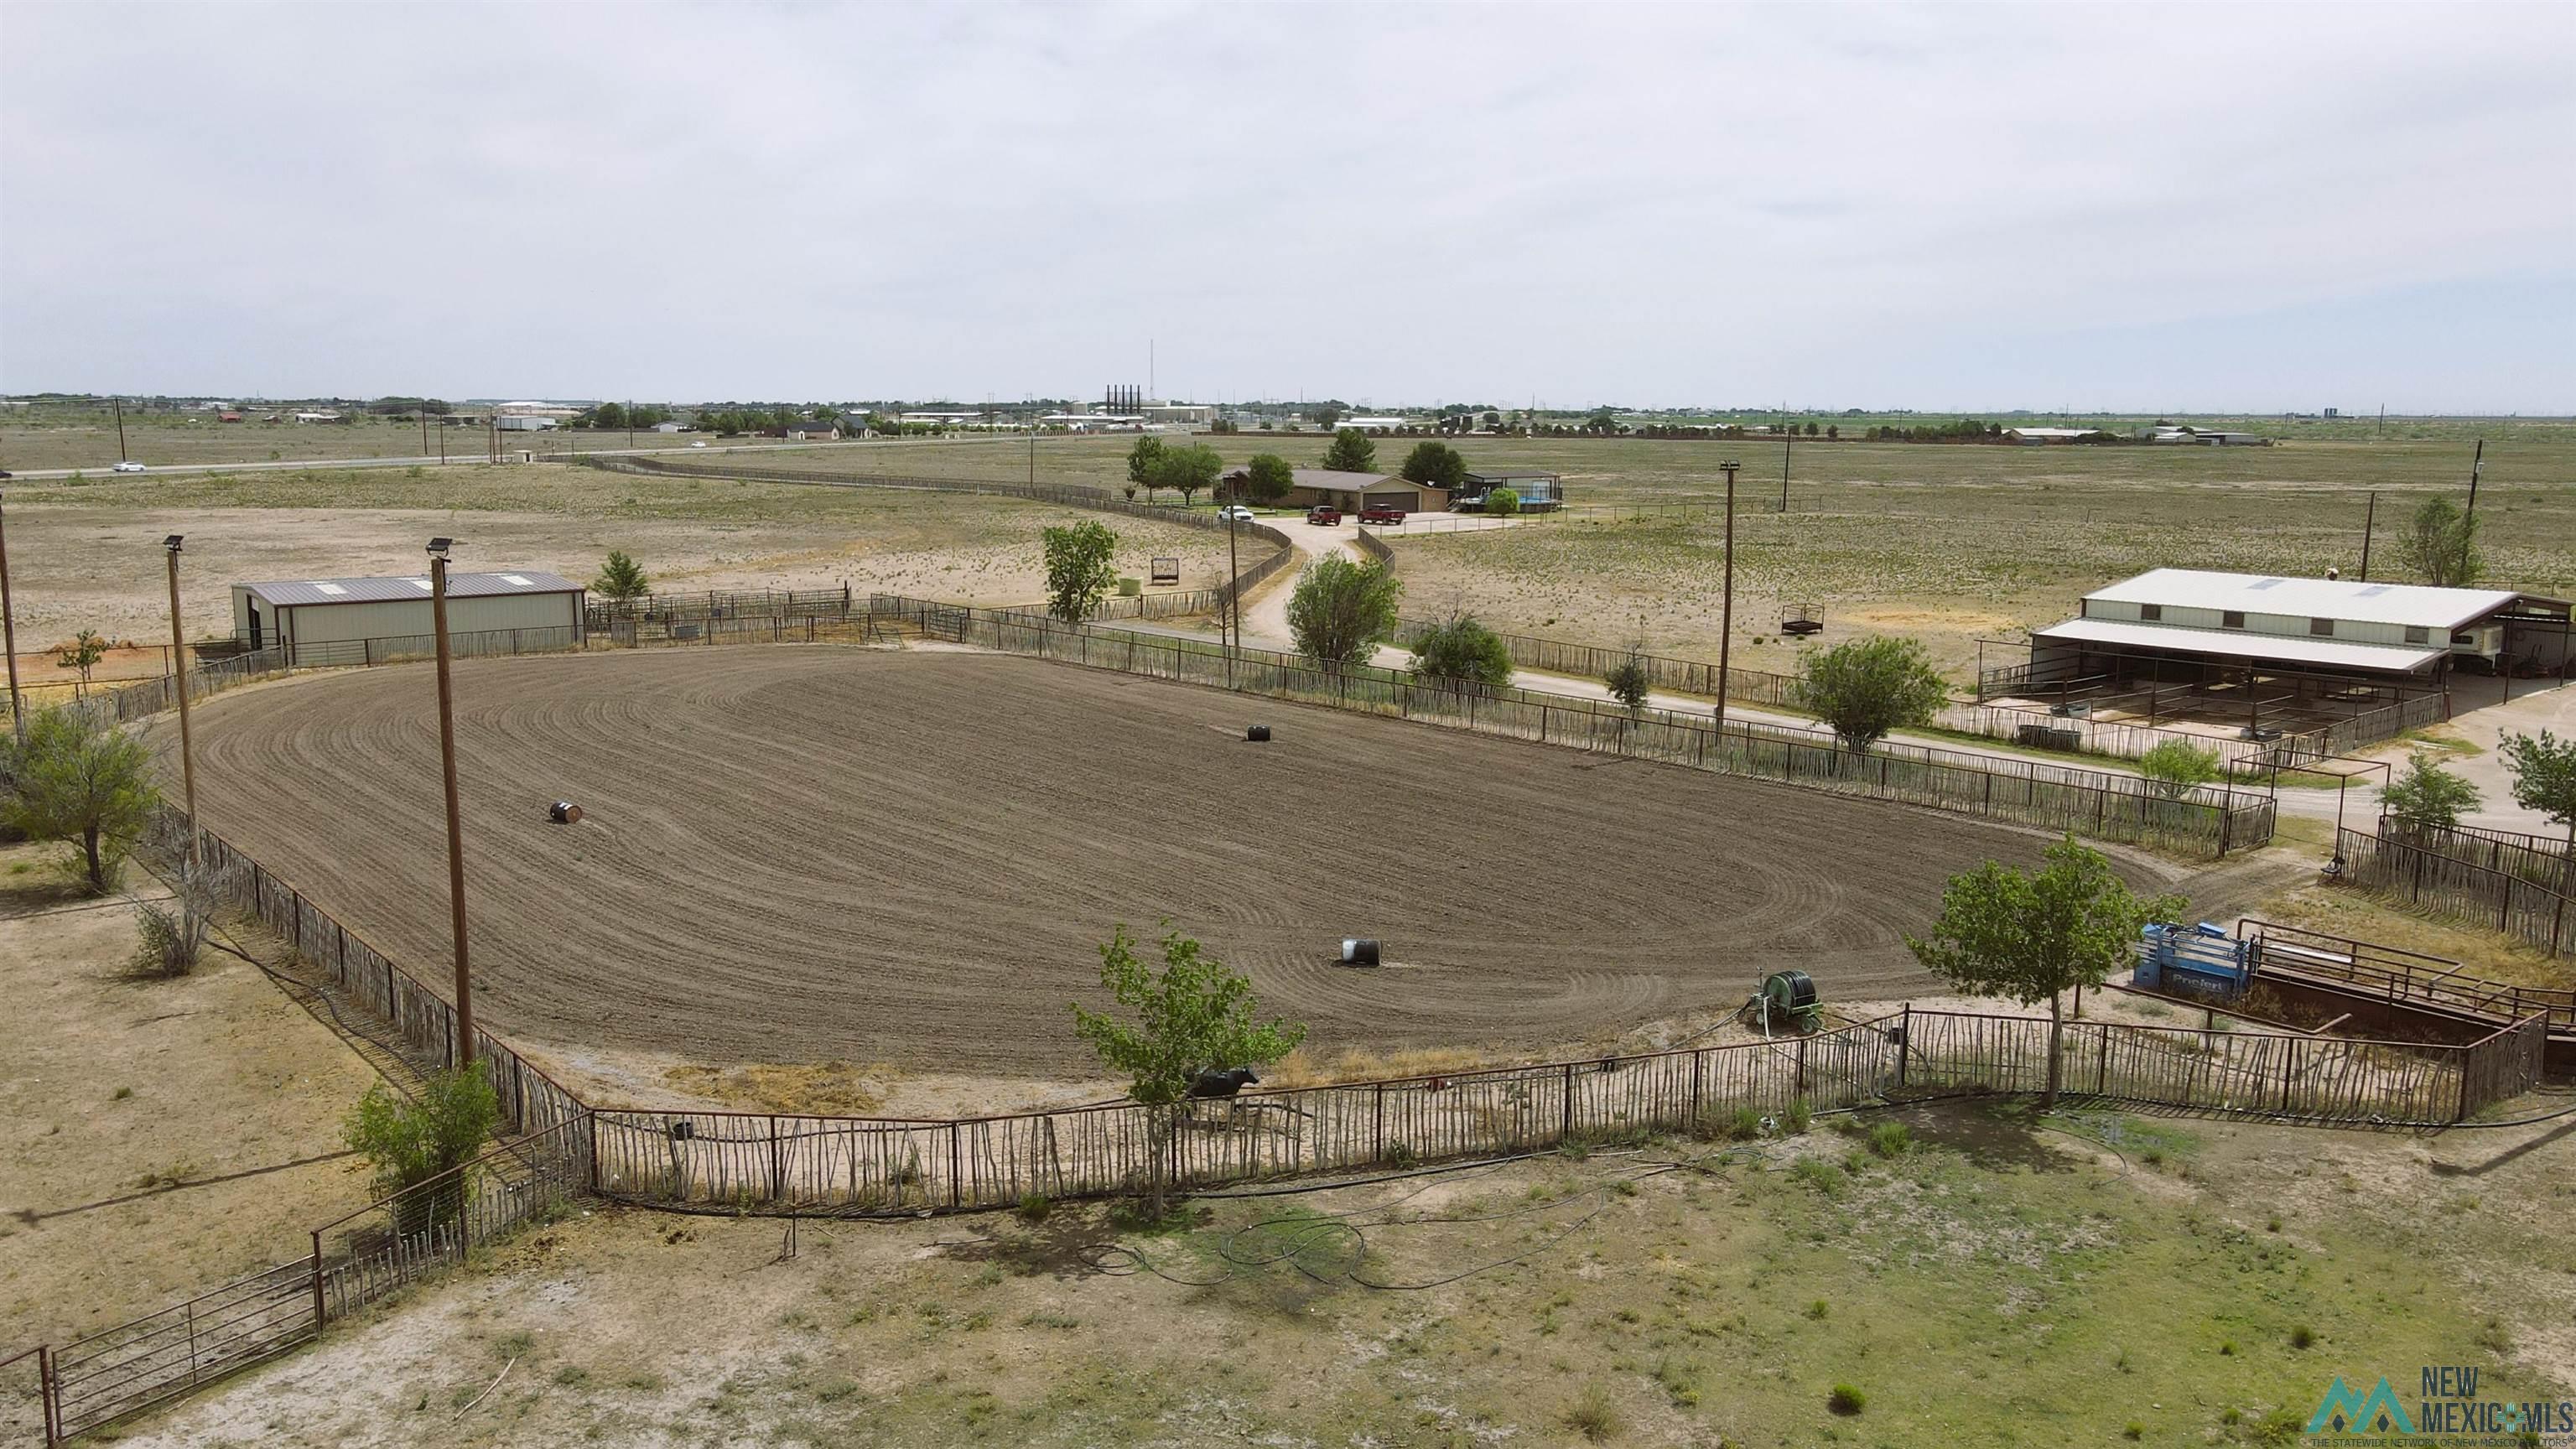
2422	876
2210	820
1587	661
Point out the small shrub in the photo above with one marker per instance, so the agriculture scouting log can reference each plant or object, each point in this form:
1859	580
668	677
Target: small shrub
1819	1174
1846	1400
1799	1117
411	1141
1035	1206
2303	1337
1890	1139
1745	1125
2227	1348
121	1094
2134	1431
1818	1310
1592	1415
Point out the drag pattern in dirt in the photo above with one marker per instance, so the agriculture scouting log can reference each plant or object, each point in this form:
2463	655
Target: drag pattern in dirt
812	853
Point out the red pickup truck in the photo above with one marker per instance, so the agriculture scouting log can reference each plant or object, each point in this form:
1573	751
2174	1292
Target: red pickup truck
1382	513
1320	513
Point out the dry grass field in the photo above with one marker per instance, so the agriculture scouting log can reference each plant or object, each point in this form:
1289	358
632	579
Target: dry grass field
87	555
815	855
1981	1276
166	1134
1943	543
50	437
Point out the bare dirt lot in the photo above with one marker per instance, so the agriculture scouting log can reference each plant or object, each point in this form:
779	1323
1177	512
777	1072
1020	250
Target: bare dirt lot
828	854
88	556
168	1134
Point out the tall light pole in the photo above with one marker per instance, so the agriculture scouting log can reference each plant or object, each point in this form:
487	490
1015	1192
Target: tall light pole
438	548
1233	615
2369	520
1726	615
9	637
179	665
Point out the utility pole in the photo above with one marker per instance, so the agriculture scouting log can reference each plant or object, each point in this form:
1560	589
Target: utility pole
179	663
1788	438
2477	465
630	425
438	548
1233	615
424	427
119	404
1726	616
2368	518
9	637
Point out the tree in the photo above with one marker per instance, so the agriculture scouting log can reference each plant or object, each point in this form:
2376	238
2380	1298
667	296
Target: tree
1462	652
1342	608
1325	416
2175	766
83	653
1079	569
2428	794
410	1141
1195	1015
1351	452
172	935
1502	502
1437	464
2544	779
75	781
1141	461
1493	421
1268	478
2441	543
1187	469
1811	430
1867	687
2002	932
1629	680
1833	430
1602	422
608	415
621	578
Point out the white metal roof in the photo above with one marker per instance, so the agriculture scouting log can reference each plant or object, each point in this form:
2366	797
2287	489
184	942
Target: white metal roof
2238	644
2417	604
416	586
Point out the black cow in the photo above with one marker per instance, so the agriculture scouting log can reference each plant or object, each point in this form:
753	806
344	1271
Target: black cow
1221	1082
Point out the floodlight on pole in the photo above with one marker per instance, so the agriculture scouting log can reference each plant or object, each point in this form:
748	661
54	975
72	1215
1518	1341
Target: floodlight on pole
179	675
438	550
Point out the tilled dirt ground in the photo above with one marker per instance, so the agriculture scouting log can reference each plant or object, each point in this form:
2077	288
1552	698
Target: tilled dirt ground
804	854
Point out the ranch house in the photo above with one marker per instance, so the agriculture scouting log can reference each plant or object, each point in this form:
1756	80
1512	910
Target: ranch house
334	621
1351	492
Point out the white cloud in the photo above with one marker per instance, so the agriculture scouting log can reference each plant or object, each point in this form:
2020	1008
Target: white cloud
1832	205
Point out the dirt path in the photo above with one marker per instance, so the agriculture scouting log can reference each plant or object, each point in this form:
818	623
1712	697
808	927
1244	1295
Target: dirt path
785	860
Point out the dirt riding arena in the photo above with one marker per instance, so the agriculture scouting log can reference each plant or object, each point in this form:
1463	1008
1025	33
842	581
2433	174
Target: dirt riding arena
819	853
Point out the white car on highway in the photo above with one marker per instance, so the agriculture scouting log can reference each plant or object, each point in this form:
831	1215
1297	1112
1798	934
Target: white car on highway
128	466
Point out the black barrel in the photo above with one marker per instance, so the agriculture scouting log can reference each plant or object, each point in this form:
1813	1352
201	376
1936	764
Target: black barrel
1358	952
1258	734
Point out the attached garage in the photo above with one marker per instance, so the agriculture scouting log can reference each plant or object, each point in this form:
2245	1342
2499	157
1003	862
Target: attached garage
359	621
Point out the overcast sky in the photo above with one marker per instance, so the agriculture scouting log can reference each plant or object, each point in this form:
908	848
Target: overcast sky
2192	208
